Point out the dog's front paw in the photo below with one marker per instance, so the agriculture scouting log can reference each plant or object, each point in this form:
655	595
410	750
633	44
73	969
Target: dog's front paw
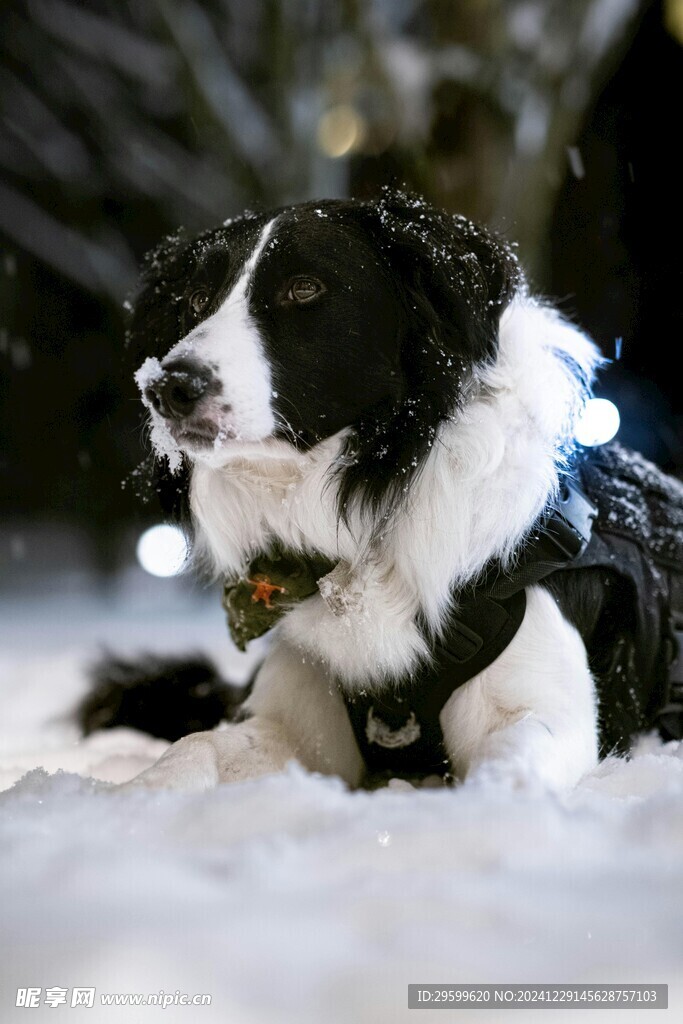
527	756
191	764
511	776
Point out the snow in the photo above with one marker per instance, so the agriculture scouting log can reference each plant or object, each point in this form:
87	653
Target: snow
163	442
290	898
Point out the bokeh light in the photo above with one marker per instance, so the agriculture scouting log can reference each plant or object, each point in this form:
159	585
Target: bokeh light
161	550
599	422
340	130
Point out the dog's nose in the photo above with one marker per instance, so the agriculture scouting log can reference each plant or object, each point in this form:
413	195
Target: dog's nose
176	394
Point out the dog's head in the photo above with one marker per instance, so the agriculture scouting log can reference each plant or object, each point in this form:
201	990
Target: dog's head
290	326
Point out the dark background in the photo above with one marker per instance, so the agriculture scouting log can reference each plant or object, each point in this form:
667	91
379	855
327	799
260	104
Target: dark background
555	122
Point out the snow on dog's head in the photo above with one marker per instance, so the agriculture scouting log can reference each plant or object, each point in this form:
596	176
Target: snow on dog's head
280	330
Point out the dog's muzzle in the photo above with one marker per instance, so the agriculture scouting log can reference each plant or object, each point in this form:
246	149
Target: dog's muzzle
176	394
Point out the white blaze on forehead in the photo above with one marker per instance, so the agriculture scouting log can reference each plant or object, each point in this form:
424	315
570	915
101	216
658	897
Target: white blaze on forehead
228	342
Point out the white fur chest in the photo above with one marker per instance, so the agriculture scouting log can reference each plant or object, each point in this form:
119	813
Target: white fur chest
483	484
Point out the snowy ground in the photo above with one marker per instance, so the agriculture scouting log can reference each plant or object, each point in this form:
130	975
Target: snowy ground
290	899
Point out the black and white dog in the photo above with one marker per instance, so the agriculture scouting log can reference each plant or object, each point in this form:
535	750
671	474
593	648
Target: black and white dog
371	384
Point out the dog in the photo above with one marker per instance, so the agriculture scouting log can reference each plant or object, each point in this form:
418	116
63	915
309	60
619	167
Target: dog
364	400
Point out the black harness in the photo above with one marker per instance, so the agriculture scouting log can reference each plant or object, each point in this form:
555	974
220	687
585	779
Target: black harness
398	730
616	513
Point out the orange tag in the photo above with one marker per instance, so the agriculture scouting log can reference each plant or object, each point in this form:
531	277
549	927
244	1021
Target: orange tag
264	589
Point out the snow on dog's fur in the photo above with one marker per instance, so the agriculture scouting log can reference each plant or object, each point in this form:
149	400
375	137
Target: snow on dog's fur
371	382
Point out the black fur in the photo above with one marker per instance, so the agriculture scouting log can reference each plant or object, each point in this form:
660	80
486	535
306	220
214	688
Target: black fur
411	303
452	282
599	604
159	312
165	697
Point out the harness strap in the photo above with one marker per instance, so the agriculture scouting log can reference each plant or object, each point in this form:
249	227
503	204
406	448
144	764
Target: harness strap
561	536
398	728
670	718
676	675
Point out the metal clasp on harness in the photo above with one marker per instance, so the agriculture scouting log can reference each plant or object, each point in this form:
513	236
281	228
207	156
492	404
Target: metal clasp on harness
570	524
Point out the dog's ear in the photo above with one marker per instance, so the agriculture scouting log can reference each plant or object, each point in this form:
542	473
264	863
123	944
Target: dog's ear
454	279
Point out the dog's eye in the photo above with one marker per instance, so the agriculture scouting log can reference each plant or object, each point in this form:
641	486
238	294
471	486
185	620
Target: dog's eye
304	289
199	300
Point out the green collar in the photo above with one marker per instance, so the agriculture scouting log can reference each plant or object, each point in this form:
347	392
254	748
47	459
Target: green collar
272	584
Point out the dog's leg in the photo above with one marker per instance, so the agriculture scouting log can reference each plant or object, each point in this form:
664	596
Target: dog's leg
530	719
295	714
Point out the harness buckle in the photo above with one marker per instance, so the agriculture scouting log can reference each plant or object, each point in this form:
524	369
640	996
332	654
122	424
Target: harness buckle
570	523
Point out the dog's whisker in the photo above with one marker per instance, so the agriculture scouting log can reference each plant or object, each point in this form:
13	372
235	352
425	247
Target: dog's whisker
293	405
284	424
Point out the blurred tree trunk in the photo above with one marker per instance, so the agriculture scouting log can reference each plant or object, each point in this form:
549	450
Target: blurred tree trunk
506	87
